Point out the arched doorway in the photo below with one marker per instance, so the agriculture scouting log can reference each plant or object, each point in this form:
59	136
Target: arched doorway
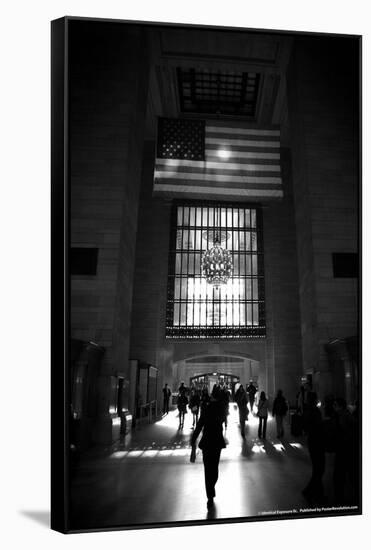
242	367
209	379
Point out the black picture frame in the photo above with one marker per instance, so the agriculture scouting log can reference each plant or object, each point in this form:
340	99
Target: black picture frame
63	458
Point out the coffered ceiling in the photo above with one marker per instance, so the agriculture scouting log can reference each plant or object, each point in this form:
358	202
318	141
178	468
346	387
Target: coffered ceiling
218	74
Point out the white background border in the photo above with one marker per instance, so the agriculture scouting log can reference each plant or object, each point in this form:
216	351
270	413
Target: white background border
25	286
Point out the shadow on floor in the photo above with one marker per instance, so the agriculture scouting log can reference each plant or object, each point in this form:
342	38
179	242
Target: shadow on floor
42	517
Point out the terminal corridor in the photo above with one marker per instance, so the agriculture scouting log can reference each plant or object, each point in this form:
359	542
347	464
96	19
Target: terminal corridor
148	477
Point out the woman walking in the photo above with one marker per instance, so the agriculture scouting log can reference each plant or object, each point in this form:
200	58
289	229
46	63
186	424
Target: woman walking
212	441
241	400
263	415
182	407
194	405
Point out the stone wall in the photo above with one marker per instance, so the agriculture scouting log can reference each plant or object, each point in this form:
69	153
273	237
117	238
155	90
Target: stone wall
108	97
323	103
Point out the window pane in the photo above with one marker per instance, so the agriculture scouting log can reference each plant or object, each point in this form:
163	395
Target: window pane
190	314
248	264
235	217
192	216
177	263
256	314
249	315
223	217
254	261
198	239
183	314
203	313
179	239
255	289
198	216
177	289
186	216
183	288
176	314
229	314
196	318
180	215
253	241
242	314
253	218
241	215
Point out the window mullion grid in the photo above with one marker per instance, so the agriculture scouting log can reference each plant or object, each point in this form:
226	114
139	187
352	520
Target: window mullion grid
212	292
241	280
220	290
181	270
201	239
245	261
201	253
233	279
214	304
193	269
251	273
260	268
187	272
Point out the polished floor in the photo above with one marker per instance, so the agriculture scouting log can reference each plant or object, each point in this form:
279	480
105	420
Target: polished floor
148	478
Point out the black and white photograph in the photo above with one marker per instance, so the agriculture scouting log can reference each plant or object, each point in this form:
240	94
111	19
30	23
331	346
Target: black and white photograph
184	297
212	232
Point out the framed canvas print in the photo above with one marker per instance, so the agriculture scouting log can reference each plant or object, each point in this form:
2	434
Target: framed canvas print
206	299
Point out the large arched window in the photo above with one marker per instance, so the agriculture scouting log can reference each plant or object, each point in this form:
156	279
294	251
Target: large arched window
197	309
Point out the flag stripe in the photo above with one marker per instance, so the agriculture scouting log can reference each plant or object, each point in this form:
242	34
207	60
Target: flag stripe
187	190
215	177
242	155
220	184
241	143
241	131
217	165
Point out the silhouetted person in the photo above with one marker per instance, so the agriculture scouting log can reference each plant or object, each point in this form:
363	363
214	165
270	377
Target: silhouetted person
182	407
279	411
167	393
251	391
212	441
300	400
205	398
182	388
263	415
329	424
194	405
313	427
225	401
345	451
241	400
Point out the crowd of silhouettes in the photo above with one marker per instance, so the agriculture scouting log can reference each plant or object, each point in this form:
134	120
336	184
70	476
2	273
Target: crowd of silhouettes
331	431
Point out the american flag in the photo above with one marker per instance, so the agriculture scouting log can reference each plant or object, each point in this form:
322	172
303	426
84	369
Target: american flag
214	159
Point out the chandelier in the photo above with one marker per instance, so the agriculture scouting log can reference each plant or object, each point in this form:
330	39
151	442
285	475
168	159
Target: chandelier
216	262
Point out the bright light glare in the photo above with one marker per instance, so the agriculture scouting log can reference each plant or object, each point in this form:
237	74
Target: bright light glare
258	449
119	454
279	447
181	452
150	453
224	154
296	445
